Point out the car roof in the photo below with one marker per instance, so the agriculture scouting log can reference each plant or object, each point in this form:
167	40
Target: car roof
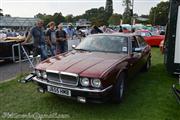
115	34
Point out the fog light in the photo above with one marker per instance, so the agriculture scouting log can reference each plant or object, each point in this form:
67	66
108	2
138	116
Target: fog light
81	99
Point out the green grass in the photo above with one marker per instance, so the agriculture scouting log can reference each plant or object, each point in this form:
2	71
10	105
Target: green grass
148	97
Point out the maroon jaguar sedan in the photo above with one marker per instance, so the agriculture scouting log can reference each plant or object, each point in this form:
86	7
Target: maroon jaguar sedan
97	69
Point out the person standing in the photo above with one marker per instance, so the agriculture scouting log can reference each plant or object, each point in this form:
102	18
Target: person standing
61	40
51	38
70	31
38	35
95	30
120	28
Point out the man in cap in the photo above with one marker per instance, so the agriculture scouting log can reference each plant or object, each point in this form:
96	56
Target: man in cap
70	31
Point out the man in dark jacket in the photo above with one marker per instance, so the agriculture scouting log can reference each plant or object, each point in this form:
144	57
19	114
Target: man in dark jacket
38	35
61	39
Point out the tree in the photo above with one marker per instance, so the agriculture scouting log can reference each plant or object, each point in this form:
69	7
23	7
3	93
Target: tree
44	17
40	15
109	8
97	16
69	18
128	13
1	14
115	19
135	15
76	18
159	14
47	19
58	18
144	16
144	19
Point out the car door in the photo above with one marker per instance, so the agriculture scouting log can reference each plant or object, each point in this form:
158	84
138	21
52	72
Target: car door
145	53
135	57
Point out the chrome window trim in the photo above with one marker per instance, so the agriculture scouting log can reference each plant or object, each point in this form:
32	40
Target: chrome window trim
72	88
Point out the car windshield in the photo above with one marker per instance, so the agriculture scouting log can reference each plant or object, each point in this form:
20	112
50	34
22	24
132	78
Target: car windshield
104	43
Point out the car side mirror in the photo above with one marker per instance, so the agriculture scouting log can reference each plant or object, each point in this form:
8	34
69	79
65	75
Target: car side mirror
73	46
137	49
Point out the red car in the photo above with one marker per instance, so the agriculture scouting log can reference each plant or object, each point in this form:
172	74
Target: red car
152	40
97	69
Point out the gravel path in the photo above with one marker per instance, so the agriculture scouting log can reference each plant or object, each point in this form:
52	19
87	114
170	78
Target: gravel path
9	70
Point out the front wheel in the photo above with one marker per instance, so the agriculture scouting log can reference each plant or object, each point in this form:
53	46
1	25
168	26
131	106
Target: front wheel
147	65
119	89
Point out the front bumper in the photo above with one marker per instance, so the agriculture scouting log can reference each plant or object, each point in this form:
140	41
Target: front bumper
91	95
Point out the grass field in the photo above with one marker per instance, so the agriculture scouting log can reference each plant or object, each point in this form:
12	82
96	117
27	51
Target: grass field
148	97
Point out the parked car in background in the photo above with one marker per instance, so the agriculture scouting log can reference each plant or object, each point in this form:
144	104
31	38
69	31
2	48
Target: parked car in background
152	40
126	28
138	26
97	69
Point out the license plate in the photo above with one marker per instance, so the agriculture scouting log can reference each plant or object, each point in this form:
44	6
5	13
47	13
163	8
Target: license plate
59	91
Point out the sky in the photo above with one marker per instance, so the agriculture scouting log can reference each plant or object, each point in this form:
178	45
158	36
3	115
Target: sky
29	8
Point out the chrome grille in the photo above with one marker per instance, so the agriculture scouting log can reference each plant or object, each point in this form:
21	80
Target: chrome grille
63	77
69	78
54	77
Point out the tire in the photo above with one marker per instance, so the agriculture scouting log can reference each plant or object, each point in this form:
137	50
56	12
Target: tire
147	65
119	88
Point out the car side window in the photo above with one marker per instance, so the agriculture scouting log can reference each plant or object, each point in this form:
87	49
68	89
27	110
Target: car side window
134	43
141	41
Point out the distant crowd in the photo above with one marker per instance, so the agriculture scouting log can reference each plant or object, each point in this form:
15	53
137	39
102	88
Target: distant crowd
54	39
